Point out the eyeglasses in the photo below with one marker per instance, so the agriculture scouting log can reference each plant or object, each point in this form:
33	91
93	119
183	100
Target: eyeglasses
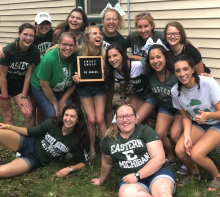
109	19
176	34
66	45
139	15
127	116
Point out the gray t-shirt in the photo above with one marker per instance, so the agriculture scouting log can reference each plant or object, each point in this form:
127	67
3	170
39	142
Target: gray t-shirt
194	99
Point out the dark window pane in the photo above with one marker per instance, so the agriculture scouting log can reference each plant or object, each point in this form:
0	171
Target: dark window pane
96	6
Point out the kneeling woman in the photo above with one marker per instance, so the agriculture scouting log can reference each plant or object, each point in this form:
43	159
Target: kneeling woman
51	81
130	73
46	143
138	156
198	99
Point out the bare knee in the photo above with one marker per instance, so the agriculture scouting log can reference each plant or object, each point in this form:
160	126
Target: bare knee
27	114
91	122
100	121
180	150
162	133
132	190
161	191
197	157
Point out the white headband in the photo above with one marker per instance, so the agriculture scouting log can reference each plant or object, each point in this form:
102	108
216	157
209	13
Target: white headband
117	8
150	42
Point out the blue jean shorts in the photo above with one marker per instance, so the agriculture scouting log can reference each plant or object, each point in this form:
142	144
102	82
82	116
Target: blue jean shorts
170	112
148	98
92	91
148	181
28	152
205	127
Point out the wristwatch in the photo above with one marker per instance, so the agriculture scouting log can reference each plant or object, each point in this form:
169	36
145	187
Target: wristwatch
137	175
70	169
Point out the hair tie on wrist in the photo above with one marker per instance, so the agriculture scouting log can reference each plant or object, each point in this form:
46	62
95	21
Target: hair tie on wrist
8	126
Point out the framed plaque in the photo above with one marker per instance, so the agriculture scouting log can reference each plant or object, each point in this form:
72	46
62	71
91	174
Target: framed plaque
90	68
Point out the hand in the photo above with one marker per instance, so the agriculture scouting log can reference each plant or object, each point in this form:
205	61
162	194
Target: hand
188	144
2	55
63	172
103	74
130	178
26	104
6	104
57	109
96	182
207	75
3	126
56	45
61	104
201	117
76	78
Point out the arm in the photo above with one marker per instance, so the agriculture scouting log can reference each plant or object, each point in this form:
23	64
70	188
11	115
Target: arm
63	172
203	116
156	152
106	167
50	95
76	78
136	57
199	68
20	130
63	100
123	93
2	55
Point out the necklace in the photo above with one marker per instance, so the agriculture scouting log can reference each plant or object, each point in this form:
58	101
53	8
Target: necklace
66	76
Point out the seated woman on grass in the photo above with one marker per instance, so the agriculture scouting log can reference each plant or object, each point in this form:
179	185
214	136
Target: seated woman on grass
198	99
46	143
136	152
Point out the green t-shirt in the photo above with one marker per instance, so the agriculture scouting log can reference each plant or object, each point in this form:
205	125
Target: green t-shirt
31	56
44	43
119	39
132	41
162	90
51	144
129	155
58	74
80	40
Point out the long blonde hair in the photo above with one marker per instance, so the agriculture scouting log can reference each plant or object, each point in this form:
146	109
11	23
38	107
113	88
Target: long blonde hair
84	46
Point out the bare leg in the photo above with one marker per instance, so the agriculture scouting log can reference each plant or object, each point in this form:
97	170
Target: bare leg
177	128
7	115
108	109
9	139
133	190
162	187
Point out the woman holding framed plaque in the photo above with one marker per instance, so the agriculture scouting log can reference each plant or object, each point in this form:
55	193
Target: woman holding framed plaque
92	94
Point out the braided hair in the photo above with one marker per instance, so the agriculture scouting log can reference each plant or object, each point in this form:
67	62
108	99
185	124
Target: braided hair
191	63
17	45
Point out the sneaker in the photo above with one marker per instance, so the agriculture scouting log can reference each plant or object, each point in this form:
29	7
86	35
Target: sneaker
167	161
183	170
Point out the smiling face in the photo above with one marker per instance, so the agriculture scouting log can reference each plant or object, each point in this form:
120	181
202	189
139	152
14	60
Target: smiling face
95	37
144	29
110	22
26	38
184	73
115	58
42	28
67	47
173	36
75	21
157	60
126	126
70	118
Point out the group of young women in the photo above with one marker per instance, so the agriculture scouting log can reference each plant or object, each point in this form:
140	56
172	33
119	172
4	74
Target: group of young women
161	73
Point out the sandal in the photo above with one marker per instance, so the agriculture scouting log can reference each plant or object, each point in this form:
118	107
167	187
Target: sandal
195	177
215	183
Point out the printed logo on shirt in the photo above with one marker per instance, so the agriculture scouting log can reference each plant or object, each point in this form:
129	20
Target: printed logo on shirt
43	48
194	102
18	70
139	52
162	93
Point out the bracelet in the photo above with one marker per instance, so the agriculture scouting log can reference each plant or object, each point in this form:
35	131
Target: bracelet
5	98
122	97
24	97
8	126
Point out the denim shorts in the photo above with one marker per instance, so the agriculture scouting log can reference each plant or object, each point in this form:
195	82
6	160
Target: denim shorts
28	152
170	112
205	127
148	98
92	91
148	181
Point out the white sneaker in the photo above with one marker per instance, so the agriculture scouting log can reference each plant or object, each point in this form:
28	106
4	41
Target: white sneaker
183	170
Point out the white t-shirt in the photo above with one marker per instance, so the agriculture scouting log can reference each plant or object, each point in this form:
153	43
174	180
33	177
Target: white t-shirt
194	99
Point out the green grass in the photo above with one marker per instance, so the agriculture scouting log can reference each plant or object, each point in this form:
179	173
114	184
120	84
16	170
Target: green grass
41	182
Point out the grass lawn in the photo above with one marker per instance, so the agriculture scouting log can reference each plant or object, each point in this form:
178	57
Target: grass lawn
41	182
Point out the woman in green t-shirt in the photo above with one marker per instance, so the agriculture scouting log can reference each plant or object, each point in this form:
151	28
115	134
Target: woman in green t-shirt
51	81
144	23
159	71
16	67
137	154
46	143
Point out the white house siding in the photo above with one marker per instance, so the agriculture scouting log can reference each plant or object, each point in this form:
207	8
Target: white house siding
201	20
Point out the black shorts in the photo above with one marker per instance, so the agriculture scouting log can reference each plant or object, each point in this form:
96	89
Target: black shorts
15	87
